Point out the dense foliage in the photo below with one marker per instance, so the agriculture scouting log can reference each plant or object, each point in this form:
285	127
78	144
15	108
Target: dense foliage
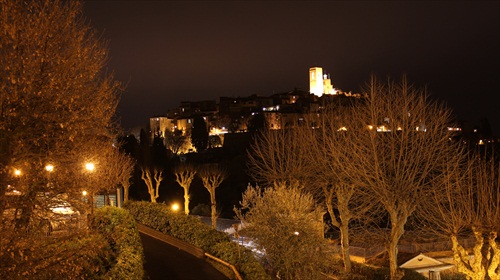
287	225
194	231
119	229
57	104
110	249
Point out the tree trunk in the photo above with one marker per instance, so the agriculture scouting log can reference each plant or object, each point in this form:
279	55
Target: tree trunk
4	175
3	190
125	193
472	268
214	209
393	260
494	268
397	231
186	200
152	195
344	244
27	206
343	225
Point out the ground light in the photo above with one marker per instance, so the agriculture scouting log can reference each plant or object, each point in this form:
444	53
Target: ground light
175	207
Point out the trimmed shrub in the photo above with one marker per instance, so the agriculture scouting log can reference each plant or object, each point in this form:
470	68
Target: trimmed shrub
119	228
192	230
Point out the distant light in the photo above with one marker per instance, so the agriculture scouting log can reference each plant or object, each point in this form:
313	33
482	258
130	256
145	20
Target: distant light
296	233
84	193
49	167
17	172
90	166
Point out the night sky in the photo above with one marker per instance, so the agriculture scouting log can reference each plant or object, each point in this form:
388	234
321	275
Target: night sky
167	52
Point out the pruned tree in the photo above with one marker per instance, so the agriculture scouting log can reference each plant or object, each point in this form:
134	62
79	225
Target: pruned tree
126	174
152	177
212	176
184	175
284	221
469	204
399	148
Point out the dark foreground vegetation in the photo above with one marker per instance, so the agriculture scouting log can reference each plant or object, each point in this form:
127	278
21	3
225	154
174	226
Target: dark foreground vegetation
109	249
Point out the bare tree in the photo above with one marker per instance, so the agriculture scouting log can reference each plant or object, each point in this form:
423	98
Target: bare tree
399	148
275	157
310	155
326	149
152	178
116	171
469	202
212	176
184	175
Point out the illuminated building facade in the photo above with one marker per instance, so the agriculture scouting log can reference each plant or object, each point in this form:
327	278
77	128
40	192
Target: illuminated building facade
316	81
320	83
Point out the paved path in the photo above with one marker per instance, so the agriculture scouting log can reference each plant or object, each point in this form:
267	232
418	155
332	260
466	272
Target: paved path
164	261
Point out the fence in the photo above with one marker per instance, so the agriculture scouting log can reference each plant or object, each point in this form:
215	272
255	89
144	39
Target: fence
363	253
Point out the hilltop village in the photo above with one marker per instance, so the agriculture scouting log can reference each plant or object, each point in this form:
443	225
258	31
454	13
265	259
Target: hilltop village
244	114
276	111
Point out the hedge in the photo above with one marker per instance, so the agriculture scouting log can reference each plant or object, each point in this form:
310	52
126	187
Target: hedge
192	230
120	229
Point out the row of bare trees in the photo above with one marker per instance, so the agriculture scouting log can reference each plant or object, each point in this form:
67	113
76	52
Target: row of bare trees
211	175
385	159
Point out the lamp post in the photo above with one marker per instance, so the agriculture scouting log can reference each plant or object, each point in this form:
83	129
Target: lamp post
90	167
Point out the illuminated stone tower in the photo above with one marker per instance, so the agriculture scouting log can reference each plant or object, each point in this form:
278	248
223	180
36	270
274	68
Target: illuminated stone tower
316	81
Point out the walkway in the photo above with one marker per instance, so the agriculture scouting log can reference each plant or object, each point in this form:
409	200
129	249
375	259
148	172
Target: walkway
164	261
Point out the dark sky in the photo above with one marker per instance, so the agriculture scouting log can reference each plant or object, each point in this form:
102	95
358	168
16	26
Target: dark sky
167	52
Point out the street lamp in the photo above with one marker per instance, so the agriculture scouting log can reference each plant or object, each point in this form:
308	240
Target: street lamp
90	166
49	167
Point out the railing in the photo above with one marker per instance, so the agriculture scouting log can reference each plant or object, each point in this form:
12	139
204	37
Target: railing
236	273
